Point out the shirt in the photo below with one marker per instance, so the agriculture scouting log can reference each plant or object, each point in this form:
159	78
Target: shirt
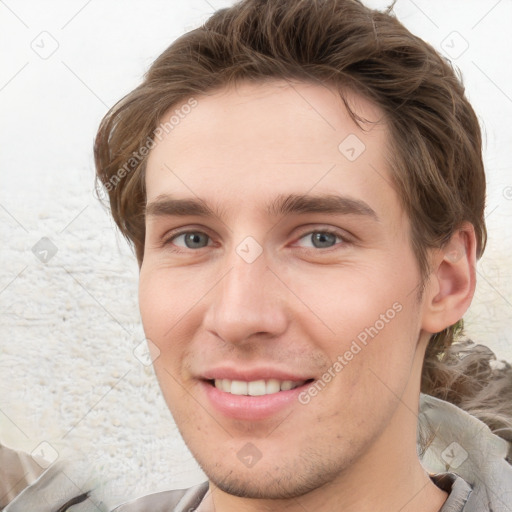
464	458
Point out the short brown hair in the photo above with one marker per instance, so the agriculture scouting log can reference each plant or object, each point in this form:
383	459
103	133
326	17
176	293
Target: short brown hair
437	166
438	169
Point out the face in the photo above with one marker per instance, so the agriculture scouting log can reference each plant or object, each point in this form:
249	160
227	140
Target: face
279	285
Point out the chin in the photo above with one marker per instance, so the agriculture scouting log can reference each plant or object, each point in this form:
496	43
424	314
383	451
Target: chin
267	487
275	479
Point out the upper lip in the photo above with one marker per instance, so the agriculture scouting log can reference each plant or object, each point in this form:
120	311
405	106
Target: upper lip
251	374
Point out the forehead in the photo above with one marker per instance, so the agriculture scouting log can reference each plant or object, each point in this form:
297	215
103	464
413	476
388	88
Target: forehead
241	146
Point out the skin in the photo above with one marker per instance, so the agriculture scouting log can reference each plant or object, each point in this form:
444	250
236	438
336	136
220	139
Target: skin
298	306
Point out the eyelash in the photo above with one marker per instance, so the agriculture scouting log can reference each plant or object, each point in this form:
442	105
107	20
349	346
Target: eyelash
333	232
167	242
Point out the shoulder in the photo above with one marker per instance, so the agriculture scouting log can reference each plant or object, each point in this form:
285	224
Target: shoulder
467	460
167	501
17	471
64	485
463	497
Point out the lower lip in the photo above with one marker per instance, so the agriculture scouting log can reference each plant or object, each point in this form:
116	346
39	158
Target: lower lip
250	408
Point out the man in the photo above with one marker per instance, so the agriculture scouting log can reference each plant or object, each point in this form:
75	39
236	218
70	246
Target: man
303	185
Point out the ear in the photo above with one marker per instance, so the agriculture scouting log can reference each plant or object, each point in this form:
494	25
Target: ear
452	281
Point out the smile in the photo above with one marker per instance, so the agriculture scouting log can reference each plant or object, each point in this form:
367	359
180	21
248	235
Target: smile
256	387
252	400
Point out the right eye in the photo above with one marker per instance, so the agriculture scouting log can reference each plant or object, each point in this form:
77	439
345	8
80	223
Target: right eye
190	240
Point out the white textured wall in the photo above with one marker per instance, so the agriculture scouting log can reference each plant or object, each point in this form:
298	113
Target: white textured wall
68	375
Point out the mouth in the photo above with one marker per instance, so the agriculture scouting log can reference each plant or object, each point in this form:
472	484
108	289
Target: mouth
253	400
256	387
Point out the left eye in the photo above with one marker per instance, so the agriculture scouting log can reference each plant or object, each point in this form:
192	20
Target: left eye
319	240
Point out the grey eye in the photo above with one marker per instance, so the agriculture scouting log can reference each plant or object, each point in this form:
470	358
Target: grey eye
192	240
322	240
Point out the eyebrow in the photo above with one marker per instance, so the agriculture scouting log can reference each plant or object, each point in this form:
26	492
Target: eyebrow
331	204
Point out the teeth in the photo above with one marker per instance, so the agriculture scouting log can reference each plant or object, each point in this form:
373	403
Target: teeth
256	387
272	386
238	387
286	385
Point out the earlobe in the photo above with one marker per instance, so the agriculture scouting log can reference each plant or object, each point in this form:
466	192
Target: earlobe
452	281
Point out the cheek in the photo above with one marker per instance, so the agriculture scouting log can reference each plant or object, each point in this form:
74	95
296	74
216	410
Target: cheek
171	310
370	372
161	309
382	353
155	306
366	322
353	302
168	298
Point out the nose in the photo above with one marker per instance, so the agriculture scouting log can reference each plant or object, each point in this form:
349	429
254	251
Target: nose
247	304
